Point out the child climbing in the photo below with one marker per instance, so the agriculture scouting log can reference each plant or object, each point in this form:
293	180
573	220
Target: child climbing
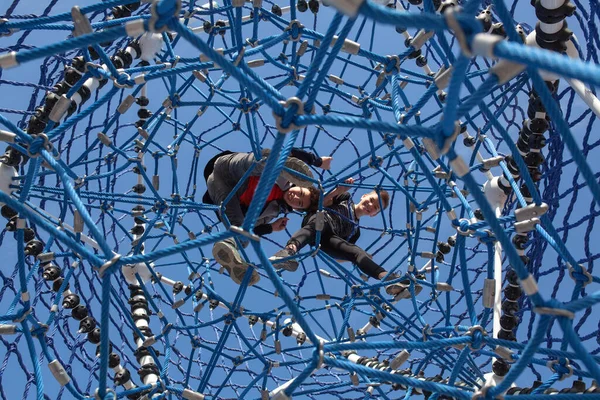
340	232
290	192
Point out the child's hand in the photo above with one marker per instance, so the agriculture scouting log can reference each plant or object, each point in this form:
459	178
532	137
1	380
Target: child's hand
280	224
326	162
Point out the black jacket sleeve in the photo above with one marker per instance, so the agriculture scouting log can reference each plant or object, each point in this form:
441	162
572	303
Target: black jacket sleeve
341	197
307	156
263	229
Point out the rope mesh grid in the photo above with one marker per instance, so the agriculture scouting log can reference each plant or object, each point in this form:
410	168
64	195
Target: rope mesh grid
111	111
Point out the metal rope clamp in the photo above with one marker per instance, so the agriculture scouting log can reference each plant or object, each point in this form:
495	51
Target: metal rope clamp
471	332
460	230
108	264
584	272
290	28
47	145
154	16
10	31
552	366
451	139
125	77
454	25
286	104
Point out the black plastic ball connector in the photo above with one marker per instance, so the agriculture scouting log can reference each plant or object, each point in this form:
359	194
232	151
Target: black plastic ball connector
11	157
507	335
500	367
374	321
313	5
221	24
7	212
512	277
287	331
451	241
137	229
252	320
554	16
113	360
28	235
439	257
213	303
71	301
301	338
444	247
87	325
513	293
51	273
469	141
520	242
139	188
122	377
419	2
79	312
148	369
140	353
72	76
510	307
144	113
276	10
421	61
509	322
538	125
302	5
33	248
11	225
177	287
143	101
207	27
94	336
37	123
479	214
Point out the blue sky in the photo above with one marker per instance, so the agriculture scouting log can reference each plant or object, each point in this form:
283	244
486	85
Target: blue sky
566	198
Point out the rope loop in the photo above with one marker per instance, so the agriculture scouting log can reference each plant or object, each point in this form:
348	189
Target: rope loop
463	227
293	105
295	28
392	65
477	334
562	367
584	276
122	81
158	23
5	32
39	143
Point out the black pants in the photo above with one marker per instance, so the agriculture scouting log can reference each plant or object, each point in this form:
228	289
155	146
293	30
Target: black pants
336	247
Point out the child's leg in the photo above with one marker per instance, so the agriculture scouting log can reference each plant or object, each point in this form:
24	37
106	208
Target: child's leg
341	249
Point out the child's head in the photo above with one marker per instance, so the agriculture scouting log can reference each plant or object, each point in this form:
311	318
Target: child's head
302	198
369	203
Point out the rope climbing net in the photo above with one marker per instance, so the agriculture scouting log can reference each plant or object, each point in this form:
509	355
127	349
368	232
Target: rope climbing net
111	110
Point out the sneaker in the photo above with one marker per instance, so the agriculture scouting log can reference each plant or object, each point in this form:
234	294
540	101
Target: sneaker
405	292
227	255
289	265
394	288
297	165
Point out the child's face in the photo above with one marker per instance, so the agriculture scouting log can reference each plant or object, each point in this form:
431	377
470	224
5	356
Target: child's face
369	204
298	198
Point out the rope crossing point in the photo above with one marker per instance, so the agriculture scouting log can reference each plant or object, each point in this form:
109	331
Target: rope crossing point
477	118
